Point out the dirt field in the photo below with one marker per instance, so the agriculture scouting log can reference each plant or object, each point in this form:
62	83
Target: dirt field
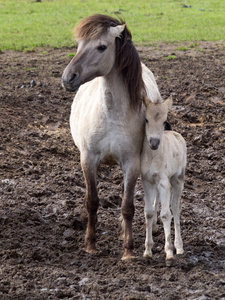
41	186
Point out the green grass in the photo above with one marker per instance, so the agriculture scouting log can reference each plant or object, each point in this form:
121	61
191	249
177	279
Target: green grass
183	48
170	57
29	24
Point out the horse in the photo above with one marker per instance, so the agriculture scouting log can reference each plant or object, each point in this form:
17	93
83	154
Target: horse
107	119
163	163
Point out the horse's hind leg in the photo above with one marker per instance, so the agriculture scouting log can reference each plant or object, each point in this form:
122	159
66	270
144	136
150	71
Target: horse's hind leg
91	202
166	216
177	188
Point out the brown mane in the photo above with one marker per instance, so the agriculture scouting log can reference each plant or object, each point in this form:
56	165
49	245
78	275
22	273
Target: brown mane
127	58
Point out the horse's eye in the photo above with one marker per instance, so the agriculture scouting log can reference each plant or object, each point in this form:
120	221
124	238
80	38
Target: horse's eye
102	48
146	120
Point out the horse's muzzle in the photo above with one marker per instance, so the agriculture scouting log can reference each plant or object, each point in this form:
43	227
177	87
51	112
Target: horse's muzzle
70	86
154	143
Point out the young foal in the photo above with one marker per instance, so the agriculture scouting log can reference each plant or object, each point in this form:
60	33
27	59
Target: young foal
163	163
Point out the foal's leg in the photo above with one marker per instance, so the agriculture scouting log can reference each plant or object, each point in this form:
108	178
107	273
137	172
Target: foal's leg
91	201
130	177
150	193
177	188
166	216
155	227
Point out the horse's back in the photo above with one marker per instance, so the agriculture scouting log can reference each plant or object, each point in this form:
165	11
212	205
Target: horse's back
174	141
175	151
150	84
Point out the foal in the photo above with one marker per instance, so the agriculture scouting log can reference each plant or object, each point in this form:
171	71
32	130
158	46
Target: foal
163	163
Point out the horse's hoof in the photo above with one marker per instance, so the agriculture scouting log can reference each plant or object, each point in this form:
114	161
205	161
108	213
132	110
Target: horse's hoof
128	255
180	251
169	262
169	254
91	249
147	255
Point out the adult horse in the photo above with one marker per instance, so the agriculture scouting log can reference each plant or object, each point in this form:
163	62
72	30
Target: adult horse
107	120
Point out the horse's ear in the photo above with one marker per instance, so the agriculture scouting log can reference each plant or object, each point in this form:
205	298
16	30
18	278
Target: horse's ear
168	102
146	101
117	30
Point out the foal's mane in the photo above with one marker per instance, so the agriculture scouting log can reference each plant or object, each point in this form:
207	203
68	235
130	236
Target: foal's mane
127	58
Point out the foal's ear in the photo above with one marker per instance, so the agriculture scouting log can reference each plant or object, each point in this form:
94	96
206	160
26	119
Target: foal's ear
168	102
117	30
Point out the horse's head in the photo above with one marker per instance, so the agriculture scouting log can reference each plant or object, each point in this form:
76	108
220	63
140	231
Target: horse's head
95	53
155	118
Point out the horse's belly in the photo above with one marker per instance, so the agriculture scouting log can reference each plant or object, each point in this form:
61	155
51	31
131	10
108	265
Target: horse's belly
115	147
109	159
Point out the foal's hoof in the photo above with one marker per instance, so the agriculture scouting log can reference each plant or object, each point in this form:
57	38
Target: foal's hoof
147	254
128	254
180	251
170	262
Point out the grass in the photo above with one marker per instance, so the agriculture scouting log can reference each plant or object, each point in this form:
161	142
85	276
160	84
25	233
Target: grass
183	48
170	57
71	54
29	24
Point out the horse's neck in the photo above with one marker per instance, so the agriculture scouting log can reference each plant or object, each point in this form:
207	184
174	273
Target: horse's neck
113	84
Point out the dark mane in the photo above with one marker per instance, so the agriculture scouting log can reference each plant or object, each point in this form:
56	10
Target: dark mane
127	58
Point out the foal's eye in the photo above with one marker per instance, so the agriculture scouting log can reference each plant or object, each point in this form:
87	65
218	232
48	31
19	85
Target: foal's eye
146	120
102	48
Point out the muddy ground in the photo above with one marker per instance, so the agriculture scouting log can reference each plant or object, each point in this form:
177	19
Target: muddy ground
41	186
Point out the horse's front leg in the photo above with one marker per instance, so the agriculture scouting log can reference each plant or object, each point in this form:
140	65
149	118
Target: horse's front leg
91	202
130	178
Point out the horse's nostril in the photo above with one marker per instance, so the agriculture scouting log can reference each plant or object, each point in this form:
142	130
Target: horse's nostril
74	77
154	143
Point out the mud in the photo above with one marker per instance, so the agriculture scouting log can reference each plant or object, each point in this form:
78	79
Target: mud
41	186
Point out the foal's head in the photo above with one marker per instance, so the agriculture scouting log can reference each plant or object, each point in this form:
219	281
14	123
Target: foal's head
156	116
